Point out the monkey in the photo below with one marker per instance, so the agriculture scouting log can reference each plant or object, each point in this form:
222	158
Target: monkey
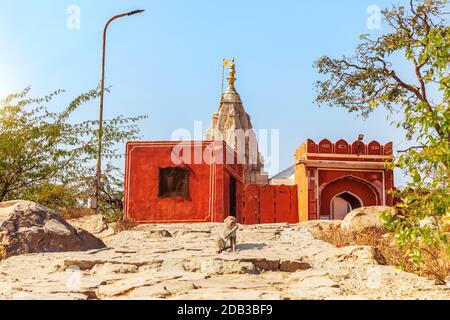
229	235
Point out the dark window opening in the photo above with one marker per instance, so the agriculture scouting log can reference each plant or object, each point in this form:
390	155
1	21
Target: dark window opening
173	183
233	196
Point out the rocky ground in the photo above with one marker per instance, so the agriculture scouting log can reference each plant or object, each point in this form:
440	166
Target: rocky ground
179	262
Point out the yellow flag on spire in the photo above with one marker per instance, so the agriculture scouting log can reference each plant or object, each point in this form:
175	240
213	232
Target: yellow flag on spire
226	63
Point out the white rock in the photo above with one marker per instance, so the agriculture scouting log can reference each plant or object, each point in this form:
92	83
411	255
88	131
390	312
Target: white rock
366	217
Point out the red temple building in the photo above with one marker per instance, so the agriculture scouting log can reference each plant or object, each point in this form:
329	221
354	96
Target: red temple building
190	181
206	181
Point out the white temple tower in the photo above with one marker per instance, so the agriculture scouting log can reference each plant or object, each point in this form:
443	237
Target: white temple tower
232	124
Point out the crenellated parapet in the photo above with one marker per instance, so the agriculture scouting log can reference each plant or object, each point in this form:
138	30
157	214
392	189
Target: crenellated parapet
344	148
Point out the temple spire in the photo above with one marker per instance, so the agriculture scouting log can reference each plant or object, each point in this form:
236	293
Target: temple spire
232	124
232	75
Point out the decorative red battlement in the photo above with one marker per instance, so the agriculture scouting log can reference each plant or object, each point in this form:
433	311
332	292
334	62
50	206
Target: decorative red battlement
343	147
342	154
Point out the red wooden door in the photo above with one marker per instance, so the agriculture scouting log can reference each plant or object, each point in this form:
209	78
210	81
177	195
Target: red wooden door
293	216
267	204
283	199
251	205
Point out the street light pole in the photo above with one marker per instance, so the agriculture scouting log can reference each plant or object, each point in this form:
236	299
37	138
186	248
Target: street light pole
98	172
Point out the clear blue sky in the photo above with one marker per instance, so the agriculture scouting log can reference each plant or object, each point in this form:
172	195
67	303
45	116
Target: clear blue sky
166	63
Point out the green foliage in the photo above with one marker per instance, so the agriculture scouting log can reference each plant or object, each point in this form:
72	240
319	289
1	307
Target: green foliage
59	197
48	159
111	200
370	80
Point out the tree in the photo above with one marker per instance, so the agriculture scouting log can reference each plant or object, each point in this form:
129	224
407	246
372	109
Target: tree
46	158
370	80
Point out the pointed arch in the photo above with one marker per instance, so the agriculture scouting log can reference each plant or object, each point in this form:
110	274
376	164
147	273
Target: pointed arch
351	199
360	188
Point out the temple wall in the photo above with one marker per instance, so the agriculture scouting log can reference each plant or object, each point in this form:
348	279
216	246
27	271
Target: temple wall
209	184
301	181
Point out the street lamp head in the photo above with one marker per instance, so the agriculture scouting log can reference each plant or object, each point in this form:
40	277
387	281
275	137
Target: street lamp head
135	12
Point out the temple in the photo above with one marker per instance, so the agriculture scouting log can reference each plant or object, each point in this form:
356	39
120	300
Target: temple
232	124
223	175
182	181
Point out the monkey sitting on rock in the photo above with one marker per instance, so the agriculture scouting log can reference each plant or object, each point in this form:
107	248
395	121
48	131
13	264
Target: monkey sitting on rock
228	238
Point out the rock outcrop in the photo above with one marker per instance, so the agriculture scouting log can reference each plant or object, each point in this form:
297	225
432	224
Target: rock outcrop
366	217
27	227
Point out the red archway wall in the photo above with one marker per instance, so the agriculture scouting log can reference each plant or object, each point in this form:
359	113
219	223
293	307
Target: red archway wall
360	188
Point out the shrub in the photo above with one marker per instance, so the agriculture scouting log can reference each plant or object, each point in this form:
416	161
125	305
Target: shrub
435	263
124	225
3	253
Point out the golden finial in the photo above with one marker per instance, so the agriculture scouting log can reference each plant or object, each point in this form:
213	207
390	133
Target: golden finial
232	74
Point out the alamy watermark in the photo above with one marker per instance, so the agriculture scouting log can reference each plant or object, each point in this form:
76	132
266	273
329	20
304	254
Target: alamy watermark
251	147
73	21
375	17
374	277
73	278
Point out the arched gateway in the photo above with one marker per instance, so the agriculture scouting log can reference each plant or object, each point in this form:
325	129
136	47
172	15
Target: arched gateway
335	178
340	196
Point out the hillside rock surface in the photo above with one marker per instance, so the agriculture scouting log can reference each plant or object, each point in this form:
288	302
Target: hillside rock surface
178	261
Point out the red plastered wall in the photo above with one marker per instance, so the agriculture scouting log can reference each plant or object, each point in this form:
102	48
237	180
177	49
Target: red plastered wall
208	185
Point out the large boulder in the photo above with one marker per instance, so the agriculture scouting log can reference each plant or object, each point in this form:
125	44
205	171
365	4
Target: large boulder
27	227
365	218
